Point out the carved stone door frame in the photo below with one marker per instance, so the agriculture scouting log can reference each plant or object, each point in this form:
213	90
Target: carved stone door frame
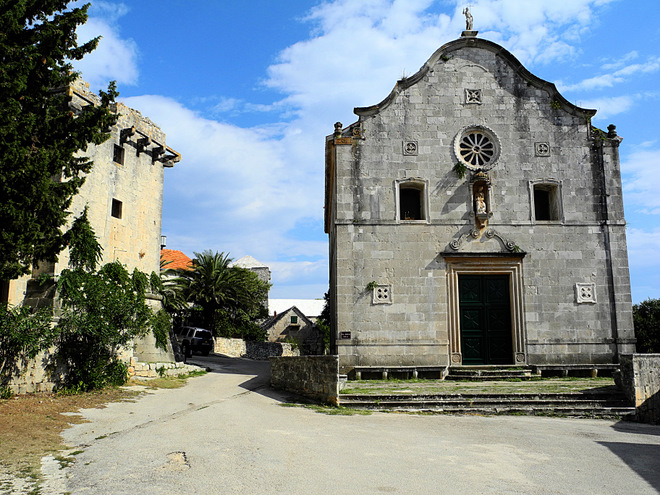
458	264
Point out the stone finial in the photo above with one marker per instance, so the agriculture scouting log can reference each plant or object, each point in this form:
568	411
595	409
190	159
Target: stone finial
611	131
338	128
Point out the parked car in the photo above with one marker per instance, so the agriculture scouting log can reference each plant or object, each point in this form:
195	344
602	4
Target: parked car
193	339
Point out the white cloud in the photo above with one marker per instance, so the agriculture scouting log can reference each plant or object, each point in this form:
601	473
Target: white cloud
639	171
643	248
616	77
608	107
620	62
235	189
114	58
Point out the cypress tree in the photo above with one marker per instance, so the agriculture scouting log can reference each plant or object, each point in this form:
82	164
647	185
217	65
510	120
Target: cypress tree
42	139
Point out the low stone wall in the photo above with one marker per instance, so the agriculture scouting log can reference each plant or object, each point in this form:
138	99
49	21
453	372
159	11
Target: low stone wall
230	347
33	377
640	380
253	350
316	377
153	370
266	350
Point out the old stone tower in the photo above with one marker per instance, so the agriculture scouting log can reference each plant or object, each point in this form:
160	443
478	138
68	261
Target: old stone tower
124	196
475	218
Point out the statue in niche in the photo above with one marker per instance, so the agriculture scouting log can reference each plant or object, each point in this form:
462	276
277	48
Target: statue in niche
468	19
480	204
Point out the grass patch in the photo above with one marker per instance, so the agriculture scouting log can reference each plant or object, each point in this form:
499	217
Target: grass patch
430	387
30	425
330	410
337	411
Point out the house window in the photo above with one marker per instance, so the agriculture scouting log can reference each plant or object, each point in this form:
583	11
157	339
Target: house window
116	208
294	320
547	204
412	203
118	155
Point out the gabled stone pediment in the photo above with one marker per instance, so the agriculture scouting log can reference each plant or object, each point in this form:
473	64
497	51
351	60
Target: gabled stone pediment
445	55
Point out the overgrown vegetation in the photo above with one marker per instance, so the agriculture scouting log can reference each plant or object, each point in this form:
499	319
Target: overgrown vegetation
102	312
460	170
646	318
41	168
23	334
323	322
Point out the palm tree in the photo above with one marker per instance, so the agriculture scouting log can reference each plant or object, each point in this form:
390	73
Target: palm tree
209	285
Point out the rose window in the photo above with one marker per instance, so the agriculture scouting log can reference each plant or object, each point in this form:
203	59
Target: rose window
477	148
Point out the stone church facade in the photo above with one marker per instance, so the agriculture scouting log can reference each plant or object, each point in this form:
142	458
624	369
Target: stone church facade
475	217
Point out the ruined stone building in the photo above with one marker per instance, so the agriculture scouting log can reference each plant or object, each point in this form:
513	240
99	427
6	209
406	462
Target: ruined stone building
475	217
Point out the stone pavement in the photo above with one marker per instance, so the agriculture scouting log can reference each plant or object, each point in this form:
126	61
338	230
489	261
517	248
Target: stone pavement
226	432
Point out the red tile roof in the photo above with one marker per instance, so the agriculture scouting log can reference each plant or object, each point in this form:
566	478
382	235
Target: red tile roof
177	260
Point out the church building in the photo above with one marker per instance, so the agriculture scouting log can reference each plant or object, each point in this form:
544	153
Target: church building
475	217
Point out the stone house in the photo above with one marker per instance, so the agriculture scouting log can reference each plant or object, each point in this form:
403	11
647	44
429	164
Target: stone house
124	196
311	308
292	326
475	217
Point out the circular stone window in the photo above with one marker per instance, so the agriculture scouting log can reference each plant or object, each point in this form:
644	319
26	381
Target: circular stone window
477	148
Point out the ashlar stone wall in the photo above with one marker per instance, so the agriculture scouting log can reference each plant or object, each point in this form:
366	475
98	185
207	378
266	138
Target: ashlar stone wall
316	377
640	380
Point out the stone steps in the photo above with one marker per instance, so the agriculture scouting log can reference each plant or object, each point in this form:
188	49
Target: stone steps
573	404
489	374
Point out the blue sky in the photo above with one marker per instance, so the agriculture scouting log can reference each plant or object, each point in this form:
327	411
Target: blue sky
246	93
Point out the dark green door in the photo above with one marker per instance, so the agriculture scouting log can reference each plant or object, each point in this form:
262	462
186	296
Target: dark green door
485	319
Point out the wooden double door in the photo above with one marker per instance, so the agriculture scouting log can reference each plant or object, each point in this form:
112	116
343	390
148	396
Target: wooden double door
485	319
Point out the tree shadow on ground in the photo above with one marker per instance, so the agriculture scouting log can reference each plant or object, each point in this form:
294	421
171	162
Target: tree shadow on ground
642	458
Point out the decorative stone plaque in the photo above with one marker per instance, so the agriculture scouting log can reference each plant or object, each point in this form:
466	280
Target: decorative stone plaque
410	148
473	96
382	294
585	293
542	149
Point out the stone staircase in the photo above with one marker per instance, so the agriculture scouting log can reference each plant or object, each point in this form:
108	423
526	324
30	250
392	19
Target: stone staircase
592	404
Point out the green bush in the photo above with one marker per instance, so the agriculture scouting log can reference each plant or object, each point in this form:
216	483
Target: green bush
161	326
24	332
102	312
646	318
